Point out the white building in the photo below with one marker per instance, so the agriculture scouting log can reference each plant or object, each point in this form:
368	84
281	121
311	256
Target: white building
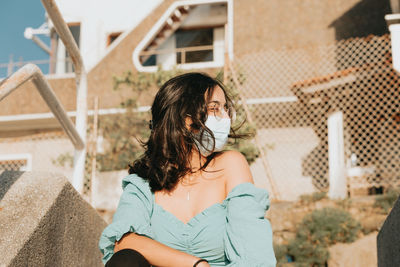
185	25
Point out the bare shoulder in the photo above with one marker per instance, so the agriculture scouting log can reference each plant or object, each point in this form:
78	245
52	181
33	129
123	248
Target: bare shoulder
236	169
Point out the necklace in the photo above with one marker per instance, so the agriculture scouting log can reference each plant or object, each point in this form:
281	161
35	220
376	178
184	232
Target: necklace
190	184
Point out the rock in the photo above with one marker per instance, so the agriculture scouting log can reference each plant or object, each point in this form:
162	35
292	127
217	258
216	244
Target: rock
361	253
372	222
284	216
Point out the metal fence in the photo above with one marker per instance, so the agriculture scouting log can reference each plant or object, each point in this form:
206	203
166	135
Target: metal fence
46	65
294	91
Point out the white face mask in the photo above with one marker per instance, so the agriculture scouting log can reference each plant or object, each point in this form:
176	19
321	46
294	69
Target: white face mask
220	127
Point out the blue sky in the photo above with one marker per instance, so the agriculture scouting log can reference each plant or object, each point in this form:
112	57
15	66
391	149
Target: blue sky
15	16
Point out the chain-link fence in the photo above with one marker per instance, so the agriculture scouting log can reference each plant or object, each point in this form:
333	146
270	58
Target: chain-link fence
14	164
294	91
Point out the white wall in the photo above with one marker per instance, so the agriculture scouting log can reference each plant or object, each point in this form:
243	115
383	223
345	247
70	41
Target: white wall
167	60
99	18
203	15
290	147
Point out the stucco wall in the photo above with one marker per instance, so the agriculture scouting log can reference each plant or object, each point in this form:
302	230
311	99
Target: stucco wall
26	99
44	150
273	24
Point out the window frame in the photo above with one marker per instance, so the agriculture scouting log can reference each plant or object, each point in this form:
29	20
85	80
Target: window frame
186	66
22	156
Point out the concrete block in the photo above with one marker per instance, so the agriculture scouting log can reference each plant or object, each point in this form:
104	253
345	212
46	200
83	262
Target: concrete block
45	222
389	239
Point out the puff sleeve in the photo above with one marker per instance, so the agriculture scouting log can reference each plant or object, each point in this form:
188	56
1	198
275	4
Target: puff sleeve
132	215
248	236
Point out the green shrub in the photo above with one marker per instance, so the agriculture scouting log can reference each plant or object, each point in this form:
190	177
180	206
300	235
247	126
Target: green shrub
344	203
314	197
317	231
306	253
386	201
280	253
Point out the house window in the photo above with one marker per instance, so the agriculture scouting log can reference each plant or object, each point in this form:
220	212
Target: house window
19	162
188	36
13	165
194	45
75	29
187	46
112	37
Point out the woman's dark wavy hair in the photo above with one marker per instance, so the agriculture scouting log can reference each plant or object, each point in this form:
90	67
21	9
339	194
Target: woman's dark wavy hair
167	152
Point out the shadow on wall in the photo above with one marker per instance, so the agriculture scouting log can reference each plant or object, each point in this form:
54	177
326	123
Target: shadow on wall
363	19
366	18
367	94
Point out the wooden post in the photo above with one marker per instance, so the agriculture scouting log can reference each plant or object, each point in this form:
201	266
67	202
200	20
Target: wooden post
20	63
274	189
226	54
183	56
94	146
10	68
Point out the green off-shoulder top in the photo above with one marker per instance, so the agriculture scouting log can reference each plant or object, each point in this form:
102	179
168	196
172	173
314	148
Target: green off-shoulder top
231	233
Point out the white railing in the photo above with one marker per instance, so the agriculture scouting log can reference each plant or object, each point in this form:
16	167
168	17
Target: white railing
81	85
33	73
183	51
77	132
8	68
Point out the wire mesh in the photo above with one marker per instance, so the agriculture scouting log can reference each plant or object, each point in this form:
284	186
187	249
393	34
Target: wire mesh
13	164
291	93
294	91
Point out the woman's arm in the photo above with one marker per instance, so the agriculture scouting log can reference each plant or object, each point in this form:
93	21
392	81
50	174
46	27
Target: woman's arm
248	237
156	253
236	169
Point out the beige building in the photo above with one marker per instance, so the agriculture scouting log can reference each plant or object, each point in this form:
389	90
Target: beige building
302	61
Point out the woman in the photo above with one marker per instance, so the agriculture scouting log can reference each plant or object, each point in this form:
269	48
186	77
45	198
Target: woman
186	203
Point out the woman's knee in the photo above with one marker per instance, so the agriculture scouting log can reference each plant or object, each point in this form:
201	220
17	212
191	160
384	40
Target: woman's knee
127	258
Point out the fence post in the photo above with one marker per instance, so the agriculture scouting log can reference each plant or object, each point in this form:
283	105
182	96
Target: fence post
337	176
10	68
393	20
